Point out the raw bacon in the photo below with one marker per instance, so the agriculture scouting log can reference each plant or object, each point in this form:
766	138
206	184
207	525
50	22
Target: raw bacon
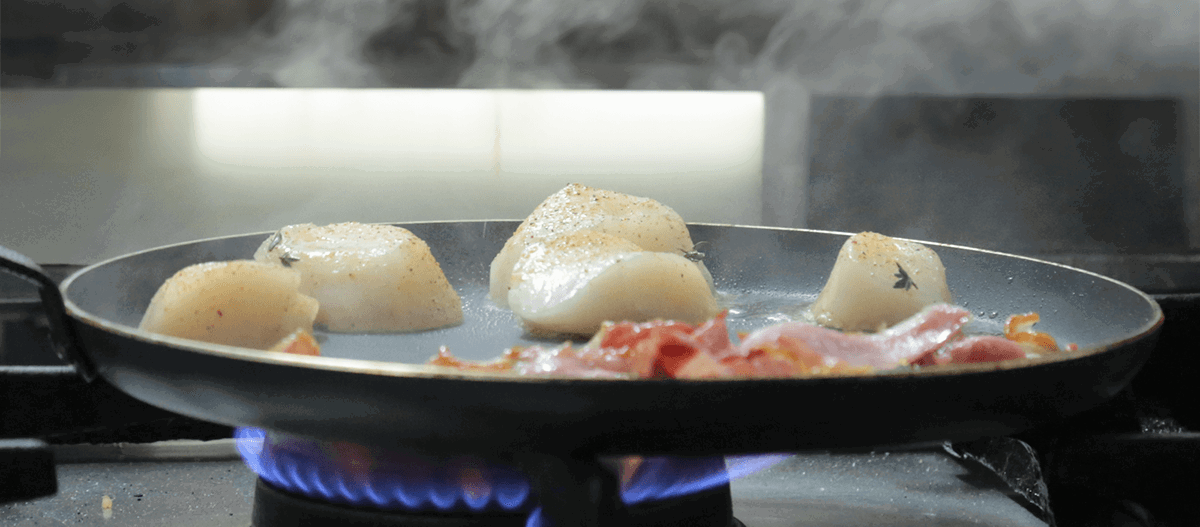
537	360
904	343
986	348
667	349
663	348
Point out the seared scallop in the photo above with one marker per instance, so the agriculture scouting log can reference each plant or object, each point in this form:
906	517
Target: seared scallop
575	282
237	303
368	278
878	281
646	223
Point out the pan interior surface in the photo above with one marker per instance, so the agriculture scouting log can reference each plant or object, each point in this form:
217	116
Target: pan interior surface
762	275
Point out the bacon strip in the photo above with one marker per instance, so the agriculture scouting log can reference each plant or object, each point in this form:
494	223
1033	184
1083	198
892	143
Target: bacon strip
903	343
300	342
986	348
1019	328
682	351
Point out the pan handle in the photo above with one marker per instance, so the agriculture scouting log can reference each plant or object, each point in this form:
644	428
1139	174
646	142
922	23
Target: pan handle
62	333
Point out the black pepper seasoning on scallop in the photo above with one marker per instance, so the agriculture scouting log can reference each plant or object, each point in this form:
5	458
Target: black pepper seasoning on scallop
368	278
588	255
879	281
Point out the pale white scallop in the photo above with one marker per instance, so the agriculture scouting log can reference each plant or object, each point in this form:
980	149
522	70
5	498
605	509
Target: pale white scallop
238	303
575	282
879	281
647	223
368	278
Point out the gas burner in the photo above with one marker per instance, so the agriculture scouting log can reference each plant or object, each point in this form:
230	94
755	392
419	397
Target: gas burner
274	507
307	482
352	475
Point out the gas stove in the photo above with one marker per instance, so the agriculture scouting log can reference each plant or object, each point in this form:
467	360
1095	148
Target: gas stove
1063	130
206	483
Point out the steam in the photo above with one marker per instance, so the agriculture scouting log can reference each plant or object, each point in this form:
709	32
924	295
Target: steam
910	46
517	42
789	50
322	40
317	44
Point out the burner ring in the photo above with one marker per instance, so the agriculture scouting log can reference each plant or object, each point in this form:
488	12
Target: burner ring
274	507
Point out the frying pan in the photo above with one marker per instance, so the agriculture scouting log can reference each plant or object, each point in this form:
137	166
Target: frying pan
373	389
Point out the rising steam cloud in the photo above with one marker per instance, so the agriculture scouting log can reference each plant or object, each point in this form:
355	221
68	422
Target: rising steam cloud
953	47
787	49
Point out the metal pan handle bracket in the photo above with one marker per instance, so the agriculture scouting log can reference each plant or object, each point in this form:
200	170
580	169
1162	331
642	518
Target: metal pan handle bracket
575	491
62	334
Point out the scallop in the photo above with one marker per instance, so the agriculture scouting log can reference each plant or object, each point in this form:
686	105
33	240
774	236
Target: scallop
878	281
368	278
648	224
573	283
237	303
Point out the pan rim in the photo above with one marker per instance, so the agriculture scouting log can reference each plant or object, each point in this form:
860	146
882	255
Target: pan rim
399	369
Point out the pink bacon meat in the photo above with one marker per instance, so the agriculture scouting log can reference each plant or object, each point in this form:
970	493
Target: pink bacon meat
682	351
905	343
985	348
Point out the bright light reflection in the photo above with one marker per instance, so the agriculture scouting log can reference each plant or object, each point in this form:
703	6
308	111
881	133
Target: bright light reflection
520	131
407	130
495	148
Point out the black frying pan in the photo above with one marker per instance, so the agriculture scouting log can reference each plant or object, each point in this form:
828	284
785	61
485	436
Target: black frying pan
372	389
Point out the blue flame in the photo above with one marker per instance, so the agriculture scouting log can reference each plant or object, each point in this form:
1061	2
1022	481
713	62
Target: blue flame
742	466
535	519
359	476
354	475
658	478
